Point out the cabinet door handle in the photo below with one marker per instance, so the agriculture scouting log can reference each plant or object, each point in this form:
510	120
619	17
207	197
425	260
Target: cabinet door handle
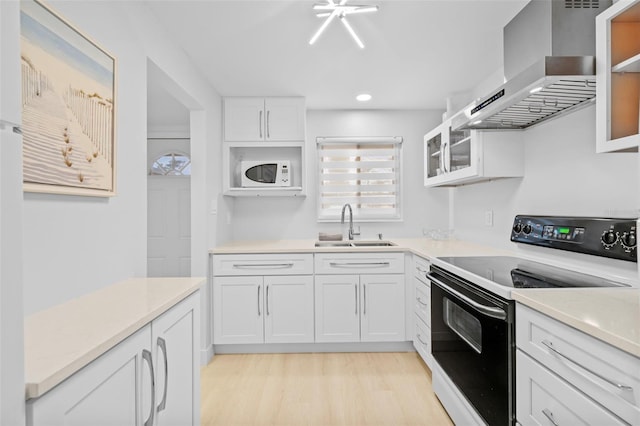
259	313
356	298
548	414
267	303
421	302
424	271
146	355
620	386
364	299
260	125
263	265
420	340
268	124
162	344
358	264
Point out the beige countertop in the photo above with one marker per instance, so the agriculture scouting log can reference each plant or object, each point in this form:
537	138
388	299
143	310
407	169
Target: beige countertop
61	340
420	246
611	315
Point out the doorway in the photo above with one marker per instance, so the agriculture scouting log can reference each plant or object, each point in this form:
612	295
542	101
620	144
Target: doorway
168	181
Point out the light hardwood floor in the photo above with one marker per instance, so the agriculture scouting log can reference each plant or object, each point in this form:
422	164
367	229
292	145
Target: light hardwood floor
323	389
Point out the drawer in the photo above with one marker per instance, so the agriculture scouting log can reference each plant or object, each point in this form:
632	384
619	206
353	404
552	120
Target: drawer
601	371
422	341
359	263
422	302
545	399
420	268
262	264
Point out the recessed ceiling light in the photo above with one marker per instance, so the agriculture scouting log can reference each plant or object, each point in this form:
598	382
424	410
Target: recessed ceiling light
476	122
535	90
363	97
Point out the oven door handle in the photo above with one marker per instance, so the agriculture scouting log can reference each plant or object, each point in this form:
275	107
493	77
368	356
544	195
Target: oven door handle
489	311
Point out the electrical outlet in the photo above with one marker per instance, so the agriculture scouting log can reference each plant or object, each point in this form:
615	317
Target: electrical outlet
488	218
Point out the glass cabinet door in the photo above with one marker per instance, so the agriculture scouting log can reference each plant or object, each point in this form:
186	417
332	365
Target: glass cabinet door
458	150
434	156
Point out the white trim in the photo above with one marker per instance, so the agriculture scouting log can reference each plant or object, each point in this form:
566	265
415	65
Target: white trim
314	347
359	139
206	355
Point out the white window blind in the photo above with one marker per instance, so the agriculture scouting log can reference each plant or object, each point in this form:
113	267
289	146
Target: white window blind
363	172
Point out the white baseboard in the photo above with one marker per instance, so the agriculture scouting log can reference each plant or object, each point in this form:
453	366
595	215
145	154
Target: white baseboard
267	348
206	355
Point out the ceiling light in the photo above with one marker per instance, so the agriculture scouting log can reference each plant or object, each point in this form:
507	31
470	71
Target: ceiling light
363	97
477	122
536	89
331	9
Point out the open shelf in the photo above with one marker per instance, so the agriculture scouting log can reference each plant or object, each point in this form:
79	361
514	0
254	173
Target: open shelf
236	152
630	65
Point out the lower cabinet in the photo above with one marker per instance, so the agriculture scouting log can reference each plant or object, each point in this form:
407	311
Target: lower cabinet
150	378
422	309
359	308
566	377
263	309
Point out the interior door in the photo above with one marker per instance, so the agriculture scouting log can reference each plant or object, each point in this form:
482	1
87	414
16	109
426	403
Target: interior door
169	226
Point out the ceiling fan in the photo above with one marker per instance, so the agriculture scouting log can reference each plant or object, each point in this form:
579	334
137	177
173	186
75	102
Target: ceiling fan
331	10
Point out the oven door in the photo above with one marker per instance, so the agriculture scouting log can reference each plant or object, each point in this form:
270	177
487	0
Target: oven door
472	334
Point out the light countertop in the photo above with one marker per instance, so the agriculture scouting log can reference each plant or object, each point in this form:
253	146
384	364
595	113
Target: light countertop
61	340
611	315
421	246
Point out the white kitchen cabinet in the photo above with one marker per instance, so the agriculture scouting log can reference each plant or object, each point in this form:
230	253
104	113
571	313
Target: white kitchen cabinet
253	119
422	309
234	153
263	298
359	297
359	308
175	335
237	310
571	375
121	386
288	309
618	77
464	156
337	308
264	129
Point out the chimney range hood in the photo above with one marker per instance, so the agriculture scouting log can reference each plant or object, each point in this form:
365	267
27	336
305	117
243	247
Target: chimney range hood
549	67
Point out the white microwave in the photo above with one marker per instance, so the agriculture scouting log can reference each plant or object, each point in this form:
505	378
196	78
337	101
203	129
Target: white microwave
265	173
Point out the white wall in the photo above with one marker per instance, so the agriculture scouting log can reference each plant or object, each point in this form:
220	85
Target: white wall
563	176
289	218
75	245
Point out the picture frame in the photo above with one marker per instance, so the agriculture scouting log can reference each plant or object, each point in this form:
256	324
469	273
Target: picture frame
68	107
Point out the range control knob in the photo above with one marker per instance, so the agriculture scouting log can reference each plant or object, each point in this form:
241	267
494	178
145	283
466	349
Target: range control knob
527	229
629	240
609	238
517	228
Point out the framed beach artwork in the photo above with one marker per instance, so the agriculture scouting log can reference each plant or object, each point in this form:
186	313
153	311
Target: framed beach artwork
68	107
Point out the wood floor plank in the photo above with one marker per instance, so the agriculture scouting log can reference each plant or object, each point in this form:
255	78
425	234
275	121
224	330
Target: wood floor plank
323	389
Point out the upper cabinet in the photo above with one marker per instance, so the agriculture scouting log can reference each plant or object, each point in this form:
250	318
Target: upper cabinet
456	157
268	132
264	119
618	77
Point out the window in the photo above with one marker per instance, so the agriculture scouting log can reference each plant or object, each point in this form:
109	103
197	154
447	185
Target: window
172	164
364	172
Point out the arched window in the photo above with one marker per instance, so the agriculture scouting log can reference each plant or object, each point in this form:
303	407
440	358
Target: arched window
171	164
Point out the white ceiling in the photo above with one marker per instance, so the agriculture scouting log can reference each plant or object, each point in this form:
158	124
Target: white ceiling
417	52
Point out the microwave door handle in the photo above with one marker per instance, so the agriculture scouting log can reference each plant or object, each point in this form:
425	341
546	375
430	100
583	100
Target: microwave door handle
489	311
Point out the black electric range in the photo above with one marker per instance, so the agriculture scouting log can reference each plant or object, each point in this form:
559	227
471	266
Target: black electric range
473	314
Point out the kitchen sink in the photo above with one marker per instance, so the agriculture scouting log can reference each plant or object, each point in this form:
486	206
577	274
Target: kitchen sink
333	244
375	243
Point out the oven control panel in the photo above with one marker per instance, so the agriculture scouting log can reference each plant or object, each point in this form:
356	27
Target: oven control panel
615	238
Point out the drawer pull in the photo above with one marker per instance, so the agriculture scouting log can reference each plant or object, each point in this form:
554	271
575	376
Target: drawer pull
421	302
548	414
263	265
424	271
549	345
358	264
420	340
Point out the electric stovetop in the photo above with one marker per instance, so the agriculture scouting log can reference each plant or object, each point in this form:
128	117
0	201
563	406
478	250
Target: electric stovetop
515	272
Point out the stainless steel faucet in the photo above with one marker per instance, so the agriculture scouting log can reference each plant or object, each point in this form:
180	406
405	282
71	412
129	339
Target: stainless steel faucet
351	233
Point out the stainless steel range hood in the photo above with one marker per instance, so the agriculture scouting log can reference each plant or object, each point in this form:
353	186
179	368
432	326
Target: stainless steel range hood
549	66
